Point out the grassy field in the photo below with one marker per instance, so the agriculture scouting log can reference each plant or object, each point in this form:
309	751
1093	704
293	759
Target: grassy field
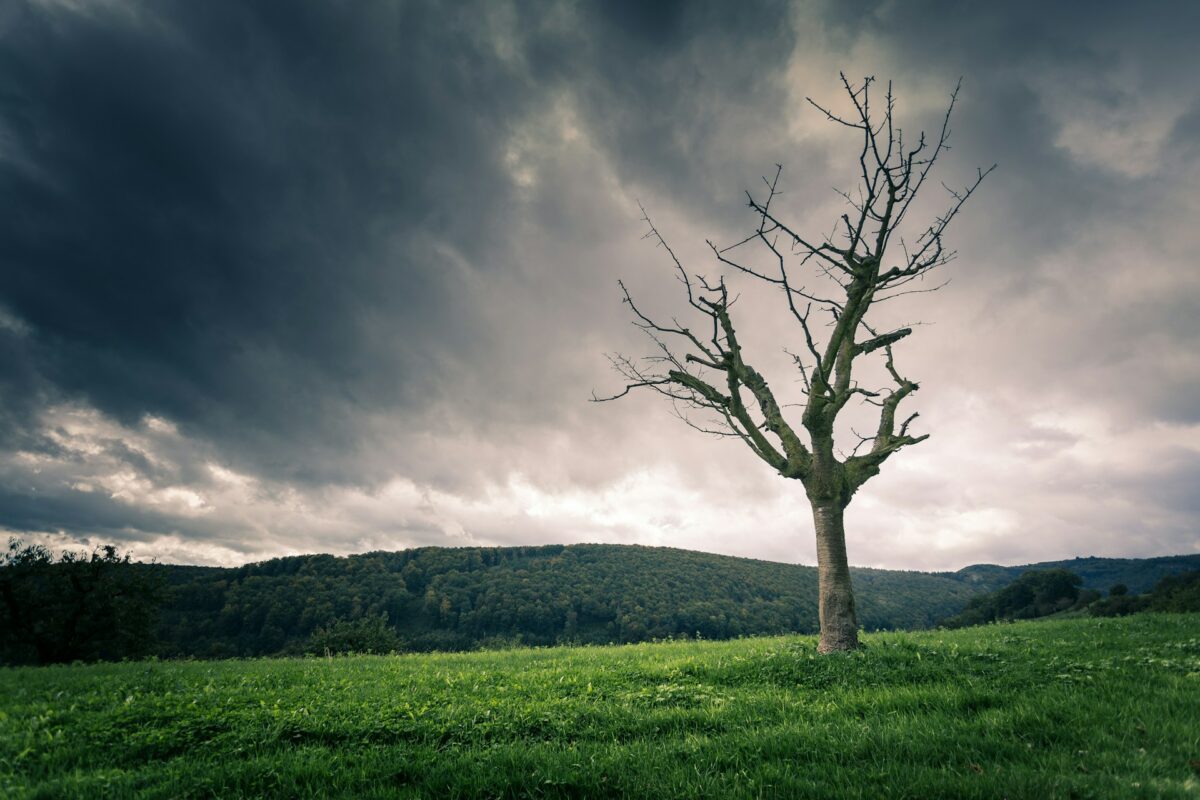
1068	708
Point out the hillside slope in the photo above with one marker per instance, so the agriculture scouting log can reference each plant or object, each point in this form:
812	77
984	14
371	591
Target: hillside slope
1138	574
460	598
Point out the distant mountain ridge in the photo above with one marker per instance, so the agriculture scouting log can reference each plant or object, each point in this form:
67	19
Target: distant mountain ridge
462	598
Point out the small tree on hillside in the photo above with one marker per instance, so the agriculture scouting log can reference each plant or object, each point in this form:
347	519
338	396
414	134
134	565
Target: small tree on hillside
703	368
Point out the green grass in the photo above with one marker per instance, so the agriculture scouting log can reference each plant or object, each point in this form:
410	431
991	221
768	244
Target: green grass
1063	708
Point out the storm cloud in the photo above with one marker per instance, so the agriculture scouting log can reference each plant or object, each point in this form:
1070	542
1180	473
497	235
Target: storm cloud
297	277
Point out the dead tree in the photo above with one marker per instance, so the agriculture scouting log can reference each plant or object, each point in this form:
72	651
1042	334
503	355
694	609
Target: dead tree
702	368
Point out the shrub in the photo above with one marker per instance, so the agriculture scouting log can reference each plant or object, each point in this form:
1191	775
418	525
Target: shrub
1118	605
364	635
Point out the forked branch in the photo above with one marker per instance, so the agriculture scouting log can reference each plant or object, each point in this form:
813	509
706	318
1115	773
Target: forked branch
837	277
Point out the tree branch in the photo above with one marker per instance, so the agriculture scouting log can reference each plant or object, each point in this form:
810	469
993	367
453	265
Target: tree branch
890	173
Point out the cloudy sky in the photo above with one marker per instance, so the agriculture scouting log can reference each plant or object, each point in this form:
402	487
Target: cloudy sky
334	277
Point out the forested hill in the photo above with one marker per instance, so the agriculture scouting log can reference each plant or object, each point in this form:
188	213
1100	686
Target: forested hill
459	598
1137	574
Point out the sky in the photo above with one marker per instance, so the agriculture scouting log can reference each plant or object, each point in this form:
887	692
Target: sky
282	278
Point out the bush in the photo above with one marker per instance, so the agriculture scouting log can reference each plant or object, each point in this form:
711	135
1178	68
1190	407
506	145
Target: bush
1118	605
363	635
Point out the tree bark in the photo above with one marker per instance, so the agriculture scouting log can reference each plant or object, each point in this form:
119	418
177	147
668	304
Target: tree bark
839	625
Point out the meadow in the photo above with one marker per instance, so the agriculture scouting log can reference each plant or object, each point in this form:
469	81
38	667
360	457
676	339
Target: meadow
1055	708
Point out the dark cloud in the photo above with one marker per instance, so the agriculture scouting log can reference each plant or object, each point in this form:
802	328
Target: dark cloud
275	266
217	204
246	218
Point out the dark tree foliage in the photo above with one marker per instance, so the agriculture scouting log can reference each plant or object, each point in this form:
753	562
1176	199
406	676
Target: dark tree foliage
1119	605
369	634
457	599
463	598
275	606
1173	593
79	607
1178	593
1136	574
1034	594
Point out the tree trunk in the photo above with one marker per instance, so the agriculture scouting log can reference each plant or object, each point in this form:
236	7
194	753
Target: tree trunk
839	625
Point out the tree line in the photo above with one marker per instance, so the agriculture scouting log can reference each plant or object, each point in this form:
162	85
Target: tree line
1042	593
102	606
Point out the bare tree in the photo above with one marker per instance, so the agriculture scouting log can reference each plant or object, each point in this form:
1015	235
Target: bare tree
702	368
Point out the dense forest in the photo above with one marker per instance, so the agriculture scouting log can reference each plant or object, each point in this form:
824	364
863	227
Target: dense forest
78	606
1173	593
442	598
1136	574
1042	593
1038	593
463	598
